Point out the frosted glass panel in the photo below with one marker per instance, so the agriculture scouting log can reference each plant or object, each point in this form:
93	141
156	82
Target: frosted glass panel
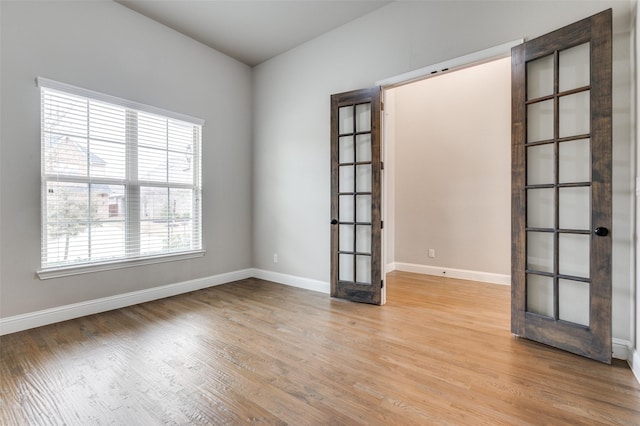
540	208
363	269
363	178
363	208
345	272
345	120
540	295
574	254
346	208
363	239
346	149
363	118
574	67
573	301
346	238
363	147
575	161
345	183
540	251
575	208
540	121
540	77
574	114
540	164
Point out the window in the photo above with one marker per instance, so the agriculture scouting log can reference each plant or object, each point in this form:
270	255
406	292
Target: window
121	181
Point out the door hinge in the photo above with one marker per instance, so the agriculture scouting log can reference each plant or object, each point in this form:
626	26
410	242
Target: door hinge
381	283
381	106
382	165
382	224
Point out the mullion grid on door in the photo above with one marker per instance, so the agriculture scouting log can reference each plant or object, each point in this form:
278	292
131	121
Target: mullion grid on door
557	185
355	193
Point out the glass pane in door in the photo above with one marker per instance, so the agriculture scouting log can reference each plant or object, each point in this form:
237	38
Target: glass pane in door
573	254
363	178
345	149
345	267
346	179
363	117
540	295
575	114
363	147
540	164
540	251
575	208
363	239
345	120
346	208
363	269
540	208
346	238
363	208
574	161
574	67
573	297
540	121
540	77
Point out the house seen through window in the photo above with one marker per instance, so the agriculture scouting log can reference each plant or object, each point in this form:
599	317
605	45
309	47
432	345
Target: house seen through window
118	183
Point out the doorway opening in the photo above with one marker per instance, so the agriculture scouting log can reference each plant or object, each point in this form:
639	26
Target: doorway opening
447	175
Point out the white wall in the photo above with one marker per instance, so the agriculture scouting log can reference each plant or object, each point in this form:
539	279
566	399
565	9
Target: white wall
106	47
291	116
453	169
635	358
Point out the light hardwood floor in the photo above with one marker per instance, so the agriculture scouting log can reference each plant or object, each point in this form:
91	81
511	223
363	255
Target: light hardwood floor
440	352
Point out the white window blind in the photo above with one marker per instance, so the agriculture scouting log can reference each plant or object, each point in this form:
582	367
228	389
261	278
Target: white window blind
120	180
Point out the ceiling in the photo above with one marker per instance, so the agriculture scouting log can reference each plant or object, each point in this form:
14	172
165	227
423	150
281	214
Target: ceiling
253	31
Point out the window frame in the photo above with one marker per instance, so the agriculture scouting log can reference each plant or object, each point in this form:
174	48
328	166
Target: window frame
131	186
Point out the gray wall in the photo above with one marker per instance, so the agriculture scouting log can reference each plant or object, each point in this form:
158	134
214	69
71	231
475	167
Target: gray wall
106	47
291	116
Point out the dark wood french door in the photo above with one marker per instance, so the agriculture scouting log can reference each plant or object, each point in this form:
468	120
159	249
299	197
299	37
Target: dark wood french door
356	249
561	188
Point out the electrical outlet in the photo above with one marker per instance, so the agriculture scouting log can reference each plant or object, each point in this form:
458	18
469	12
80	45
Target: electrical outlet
432	253
275	257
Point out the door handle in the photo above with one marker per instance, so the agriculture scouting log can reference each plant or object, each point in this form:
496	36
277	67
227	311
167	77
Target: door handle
334	221
601	231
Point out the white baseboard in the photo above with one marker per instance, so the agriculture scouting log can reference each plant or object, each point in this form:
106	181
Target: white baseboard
463	274
621	348
293	281
634	363
62	313
390	267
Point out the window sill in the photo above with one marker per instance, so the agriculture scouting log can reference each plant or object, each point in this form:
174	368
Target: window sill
68	271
